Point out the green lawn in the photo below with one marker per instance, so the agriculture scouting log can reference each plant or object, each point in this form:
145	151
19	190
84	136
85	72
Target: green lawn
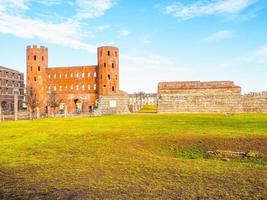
149	109
133	157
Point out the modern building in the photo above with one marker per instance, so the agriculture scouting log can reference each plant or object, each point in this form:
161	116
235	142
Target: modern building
10	81
79	87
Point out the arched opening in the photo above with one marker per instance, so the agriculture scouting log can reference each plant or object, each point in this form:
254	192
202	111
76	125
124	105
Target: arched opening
78	105
4	106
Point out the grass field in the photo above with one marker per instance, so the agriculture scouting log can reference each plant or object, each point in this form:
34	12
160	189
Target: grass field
149	109
133	157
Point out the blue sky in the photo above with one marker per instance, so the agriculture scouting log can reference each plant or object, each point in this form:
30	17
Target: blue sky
159	40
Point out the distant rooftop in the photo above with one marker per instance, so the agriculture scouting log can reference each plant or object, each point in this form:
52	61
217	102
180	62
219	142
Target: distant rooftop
9	69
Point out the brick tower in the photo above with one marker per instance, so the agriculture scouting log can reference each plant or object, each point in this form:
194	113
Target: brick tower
108	70
37	63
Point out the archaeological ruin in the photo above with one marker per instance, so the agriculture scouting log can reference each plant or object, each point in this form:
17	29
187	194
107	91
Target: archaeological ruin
208	97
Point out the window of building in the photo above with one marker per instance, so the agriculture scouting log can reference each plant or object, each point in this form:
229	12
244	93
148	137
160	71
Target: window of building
89	74
108	53
35	78
66	75
113	65
42	58
60	88
105	64
48	76
105	86
116	77
49	88
66	88
39	68
116	53
77	87
113	88
34	57
108	76
94	86
55	88
82	87
83	75
89	87
71	75
77	75
71	87
95	74
55	76
31	68
60	76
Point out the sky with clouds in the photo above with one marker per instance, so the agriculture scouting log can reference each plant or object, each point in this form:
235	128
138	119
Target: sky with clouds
159	40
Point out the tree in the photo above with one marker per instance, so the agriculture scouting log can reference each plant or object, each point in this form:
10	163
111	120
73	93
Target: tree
140	97
32	100
53	101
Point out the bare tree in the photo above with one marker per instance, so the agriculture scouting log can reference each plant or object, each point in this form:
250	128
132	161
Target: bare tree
139	97
31	100
53	101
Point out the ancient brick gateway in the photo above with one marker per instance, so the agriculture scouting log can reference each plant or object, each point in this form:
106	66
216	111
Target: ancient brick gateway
208	97
79	87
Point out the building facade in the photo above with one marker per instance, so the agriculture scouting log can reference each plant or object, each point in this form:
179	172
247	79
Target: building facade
78	87
208	97
10	81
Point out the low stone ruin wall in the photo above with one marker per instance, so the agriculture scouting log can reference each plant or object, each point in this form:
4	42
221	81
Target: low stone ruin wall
255	102
195	103
113	104
187	103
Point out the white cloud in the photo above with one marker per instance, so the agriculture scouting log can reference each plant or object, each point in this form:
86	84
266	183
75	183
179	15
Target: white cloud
220	35
124	32
69	32
261	55
258	56
207	7
150	60
102	28
93	8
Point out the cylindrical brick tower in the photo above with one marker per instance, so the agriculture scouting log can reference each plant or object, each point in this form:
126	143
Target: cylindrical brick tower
108	70
37	63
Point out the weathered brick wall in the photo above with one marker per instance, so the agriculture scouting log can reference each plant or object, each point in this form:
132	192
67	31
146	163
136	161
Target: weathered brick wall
196	103
113	104
255	102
